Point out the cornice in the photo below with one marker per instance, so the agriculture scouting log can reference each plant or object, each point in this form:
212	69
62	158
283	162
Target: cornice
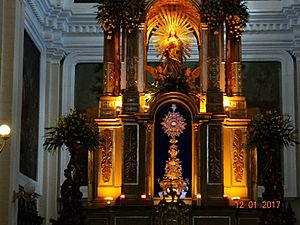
61	30
67	30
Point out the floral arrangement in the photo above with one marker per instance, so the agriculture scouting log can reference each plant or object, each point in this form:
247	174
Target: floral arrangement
234	12
132	14
74	128
212	11
111	13
271	130
236	17
109	16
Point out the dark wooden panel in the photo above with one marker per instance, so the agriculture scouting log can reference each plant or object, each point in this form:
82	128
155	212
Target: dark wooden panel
132	221
130	154
212	220
98	221
248	221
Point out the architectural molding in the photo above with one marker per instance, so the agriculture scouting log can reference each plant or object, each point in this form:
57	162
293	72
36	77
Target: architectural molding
288	106
68	90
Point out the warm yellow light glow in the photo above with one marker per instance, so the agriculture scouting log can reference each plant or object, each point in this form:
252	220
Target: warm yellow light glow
226	103
236	198
143	196
173	30
146	108
109	192
122	196
118	103
202	103
4	131
148	97
198	196
108	200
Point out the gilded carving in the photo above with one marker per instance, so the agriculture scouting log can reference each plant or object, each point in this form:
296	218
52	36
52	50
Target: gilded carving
214	152
130	71
196	126
106	149
238	155
236	77
214	69
173	183
130	154
149	127
173	123
109	77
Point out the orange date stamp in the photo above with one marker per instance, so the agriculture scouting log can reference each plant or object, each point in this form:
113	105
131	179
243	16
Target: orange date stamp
255	204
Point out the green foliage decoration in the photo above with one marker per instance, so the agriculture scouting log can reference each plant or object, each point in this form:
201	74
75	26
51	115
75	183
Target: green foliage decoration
128	13
74	128
108	15
233	12
133	11
270	130
212	13
236	17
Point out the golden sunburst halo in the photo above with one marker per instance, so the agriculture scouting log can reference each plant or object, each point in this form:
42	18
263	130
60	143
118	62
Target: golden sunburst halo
171	27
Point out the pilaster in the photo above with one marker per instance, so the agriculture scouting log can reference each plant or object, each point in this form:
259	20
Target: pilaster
48	205
233	80
11	47
131	94
214	98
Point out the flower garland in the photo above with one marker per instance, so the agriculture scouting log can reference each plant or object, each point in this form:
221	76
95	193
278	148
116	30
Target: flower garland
270	129
236	17
74	128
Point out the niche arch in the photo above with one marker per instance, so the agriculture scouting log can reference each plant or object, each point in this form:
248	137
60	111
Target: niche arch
188	145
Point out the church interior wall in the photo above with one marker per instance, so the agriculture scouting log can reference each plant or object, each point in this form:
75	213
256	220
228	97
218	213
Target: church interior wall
67	34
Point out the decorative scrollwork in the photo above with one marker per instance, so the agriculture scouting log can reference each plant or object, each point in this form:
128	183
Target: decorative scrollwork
214	69
214	151
173	183
238	155
130	154
109	77
173	123
107	154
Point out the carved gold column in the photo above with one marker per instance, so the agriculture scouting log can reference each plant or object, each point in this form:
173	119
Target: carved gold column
111	75
196	157
111	70
105	165
149	159
233	65
233	78
131	95
142	79
213	186
214	101
238	163
203	58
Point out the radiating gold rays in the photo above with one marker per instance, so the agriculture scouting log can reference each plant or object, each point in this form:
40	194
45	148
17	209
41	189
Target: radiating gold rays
171	26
